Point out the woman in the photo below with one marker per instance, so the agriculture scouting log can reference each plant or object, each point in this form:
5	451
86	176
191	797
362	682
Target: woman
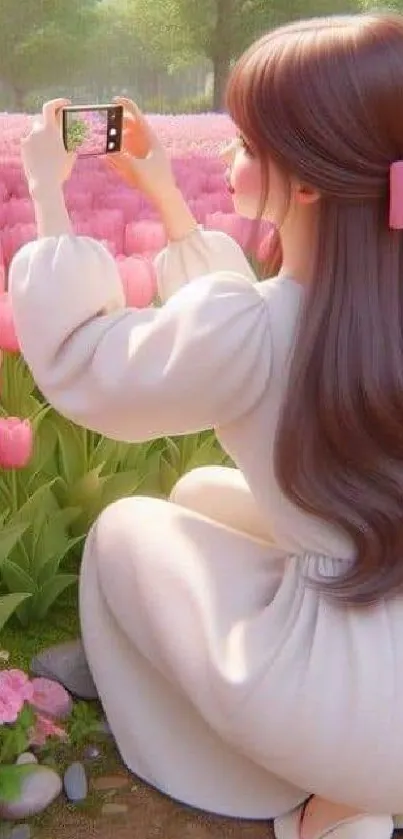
246	640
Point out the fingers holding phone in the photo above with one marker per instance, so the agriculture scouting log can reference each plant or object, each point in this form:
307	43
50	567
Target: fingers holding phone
142	162
45	159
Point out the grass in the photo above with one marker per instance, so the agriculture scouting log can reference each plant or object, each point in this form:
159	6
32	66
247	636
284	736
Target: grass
62	624
23	643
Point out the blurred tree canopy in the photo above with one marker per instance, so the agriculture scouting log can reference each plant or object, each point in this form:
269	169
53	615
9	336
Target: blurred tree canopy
49	43
42	40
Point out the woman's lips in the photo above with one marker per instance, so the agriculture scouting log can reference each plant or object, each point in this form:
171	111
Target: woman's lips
228	182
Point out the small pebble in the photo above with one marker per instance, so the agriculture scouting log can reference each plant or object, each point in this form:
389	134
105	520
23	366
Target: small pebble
75	782
39	788
114	809
26	757
21	831
108	782
91	753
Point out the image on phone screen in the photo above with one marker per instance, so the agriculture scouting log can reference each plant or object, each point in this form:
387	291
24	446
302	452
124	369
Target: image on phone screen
86	132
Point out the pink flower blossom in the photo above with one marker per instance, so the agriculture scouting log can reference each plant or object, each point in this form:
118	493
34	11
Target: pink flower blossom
8	336
10	706
16	443
45	728
49	698
17	681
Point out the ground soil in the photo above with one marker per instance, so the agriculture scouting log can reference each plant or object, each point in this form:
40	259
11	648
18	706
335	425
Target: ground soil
150	815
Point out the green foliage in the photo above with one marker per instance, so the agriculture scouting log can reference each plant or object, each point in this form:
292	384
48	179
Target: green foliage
76	134
190	105
39	39
15	738
11	778
82	724
48	507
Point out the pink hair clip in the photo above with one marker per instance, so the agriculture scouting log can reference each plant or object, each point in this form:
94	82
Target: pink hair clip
396	196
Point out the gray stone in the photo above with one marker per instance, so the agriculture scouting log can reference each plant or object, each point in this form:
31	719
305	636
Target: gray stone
40	786
67	664
25	758
91	753
75	782
21	831
114	809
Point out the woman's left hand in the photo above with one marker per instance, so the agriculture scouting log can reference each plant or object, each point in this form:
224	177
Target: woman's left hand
46	162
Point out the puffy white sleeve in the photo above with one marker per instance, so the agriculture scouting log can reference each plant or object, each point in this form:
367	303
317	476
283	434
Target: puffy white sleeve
200	361
202	252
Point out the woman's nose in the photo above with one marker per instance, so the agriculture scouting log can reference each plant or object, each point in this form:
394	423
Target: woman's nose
227	154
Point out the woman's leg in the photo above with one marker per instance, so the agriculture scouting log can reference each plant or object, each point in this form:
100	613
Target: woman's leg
222	494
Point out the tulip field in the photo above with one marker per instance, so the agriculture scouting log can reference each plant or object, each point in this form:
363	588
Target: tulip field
55	478
103	207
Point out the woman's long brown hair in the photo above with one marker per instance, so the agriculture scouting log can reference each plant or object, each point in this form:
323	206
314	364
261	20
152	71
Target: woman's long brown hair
323	99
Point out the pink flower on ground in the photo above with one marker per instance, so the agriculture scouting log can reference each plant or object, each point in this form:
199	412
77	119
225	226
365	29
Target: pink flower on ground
139	281
16	443
10	706
50	698
8	336
45	728
17	681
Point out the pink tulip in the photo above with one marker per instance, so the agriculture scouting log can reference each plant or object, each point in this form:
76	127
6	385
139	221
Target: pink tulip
16	443
139	281
8	337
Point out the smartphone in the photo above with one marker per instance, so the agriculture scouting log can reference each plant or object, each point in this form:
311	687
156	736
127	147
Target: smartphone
92	130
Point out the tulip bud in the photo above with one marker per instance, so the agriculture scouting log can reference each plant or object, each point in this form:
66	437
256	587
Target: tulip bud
8	336
16	443
139	281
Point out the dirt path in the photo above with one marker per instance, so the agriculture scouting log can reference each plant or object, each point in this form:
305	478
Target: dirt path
149	815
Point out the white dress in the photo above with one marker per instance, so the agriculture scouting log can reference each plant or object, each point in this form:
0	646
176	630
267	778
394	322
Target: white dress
228	683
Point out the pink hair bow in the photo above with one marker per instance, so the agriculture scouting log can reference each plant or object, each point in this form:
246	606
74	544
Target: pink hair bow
396	196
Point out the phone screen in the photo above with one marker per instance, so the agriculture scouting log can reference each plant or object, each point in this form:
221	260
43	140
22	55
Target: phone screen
91	131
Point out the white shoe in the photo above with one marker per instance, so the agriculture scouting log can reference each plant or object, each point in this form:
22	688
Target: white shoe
361	827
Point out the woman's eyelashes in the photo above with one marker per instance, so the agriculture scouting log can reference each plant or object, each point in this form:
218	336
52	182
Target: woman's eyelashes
245	145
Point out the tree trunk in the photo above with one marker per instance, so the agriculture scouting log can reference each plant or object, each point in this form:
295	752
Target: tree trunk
19	97
221	67
221	53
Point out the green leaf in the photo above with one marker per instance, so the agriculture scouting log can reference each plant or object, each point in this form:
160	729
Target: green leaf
15	578
72	448
11	779
9	536
114	487
45	441
52	565
83	492
49	593
173	454
8	604
53	537
37	505
108	453
168	477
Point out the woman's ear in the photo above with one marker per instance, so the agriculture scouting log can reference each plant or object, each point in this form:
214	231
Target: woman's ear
305	194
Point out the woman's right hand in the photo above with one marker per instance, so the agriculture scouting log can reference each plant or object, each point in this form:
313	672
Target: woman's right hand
142	162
